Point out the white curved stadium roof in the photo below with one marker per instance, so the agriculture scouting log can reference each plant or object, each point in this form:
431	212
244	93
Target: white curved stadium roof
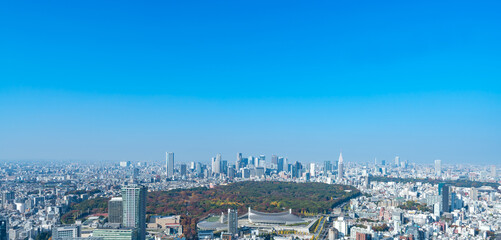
282	218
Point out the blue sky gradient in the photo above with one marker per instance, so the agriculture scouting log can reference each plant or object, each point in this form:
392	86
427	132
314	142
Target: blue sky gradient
119	80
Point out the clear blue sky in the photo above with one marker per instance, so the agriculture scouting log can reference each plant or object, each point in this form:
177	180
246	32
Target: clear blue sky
119	80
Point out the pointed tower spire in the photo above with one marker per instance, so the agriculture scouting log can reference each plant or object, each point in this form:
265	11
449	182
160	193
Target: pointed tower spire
340	166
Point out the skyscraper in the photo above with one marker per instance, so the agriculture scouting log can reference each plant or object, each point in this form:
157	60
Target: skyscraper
444	197
340	167
438	167
312	169
296	170
134	208
231	172
217	164
183	169
274	159
262	161
327	167
135	174
169	165
244	162
238	165
280	164
232	221
115	210
224	166
440	187
397	161
198	168
213	165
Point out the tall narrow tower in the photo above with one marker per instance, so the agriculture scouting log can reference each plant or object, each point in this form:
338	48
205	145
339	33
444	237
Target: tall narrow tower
312	169
169	164
239	161
281	165
445	198
340	167
217	164
134	208
438	167
327	167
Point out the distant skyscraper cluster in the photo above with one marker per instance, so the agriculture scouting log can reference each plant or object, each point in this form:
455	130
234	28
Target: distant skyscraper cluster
258	166
439	198
251	166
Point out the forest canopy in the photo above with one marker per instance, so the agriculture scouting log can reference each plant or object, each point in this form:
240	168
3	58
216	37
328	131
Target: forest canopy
192	204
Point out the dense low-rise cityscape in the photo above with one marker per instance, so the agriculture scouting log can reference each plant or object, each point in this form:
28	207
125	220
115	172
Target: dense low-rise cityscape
394	199
251	120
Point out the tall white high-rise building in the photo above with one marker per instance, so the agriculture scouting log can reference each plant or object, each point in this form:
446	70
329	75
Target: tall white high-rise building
341	225
239	161
312	169
169	164
217	164
340	167
213	165
397	161
438	167
261	161
134	208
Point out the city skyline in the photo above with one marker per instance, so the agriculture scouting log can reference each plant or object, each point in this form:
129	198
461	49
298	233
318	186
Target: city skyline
404	201
232	160
250	120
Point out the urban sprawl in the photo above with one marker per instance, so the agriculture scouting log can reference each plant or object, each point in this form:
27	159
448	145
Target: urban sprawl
397	200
